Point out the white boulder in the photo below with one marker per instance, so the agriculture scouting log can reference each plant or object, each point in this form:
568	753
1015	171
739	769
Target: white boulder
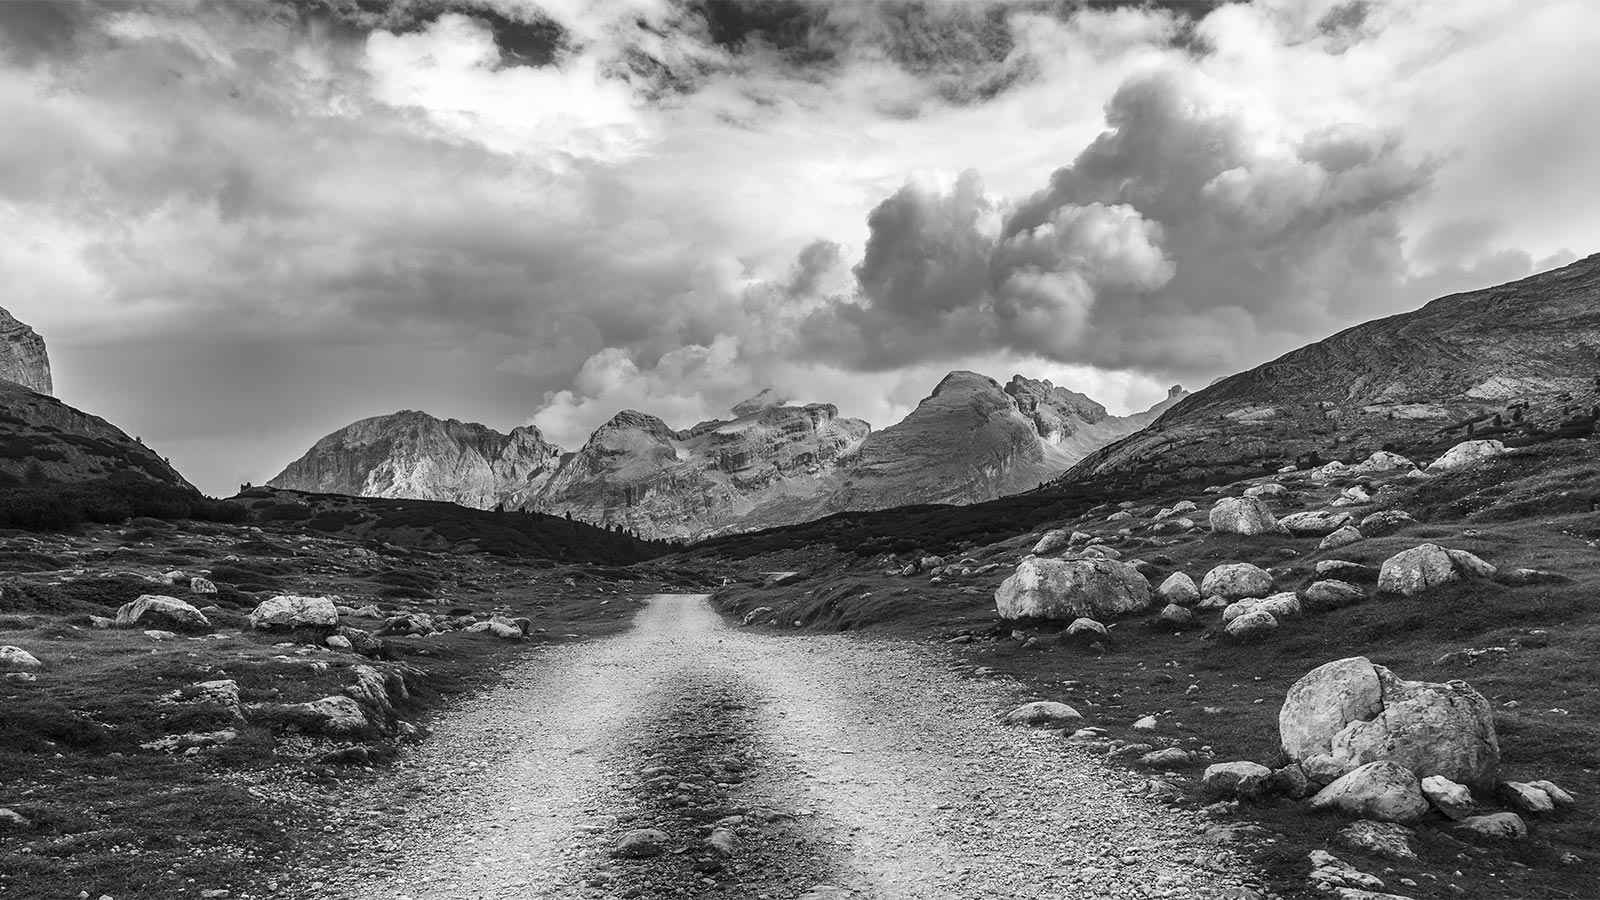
1179	589
1427	566
1383	790
1316	523
1236	581
290	611
1465	454
1244	515
16	659
154	611
1043	712
1069	589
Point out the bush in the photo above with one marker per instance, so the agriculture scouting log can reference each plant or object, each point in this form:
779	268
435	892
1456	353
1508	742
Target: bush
106	501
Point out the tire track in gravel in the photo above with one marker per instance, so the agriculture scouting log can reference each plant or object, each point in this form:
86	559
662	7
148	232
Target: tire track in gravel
859	768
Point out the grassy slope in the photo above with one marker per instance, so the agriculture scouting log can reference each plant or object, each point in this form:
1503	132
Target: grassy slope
1534	510
109	817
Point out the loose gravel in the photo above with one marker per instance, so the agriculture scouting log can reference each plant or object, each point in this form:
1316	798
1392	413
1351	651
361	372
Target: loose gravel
772	766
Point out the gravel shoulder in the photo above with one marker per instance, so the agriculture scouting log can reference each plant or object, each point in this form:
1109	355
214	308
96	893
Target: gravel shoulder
839	767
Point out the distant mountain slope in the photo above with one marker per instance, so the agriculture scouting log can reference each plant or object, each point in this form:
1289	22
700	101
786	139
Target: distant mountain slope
1514	362
45	440
23	359
414	455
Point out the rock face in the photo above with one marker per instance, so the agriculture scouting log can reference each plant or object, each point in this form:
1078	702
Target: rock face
1068	589
1358	713
23	360
413	455
1400	381
773	464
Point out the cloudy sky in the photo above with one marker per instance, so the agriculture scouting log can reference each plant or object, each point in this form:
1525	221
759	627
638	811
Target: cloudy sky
242	226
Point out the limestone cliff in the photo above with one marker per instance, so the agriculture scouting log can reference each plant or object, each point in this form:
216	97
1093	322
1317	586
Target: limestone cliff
414	455
23	359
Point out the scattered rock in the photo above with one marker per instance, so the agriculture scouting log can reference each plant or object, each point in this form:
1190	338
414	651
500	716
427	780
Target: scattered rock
338	642
1282	606
16	659
1343	537
10	819
1383	461
1068	589
157	611
1145	723
1176	616
1361	713
1292	782
759	614
1557	796
1244	515
1386	521
1449	798
1346	571
1411	572
288	611
1525	798
1170	758
1316	523
1334	594
1236	779
1236	581
1180	589
1502	825
1253	625
198	585
1384	838
1052	541
1382	790
1043	712
1270	489
1465	454
1521	577
1331	874
1087	629
641	843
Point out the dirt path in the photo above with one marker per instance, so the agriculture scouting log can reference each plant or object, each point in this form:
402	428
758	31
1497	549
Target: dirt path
850	768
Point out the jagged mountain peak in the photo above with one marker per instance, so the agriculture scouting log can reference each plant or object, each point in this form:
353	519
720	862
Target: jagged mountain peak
766	399
23	358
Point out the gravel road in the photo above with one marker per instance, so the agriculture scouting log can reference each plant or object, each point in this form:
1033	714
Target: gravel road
822	767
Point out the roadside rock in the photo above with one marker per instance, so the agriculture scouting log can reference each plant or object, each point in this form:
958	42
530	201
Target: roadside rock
1068	589
289	611
1411	572
1043	712
1382	790
1449	798
1236	581
1360	713
1244	515
157	611
1236	779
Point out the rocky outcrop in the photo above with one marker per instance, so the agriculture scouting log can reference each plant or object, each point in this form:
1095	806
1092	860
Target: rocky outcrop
1515	360
413	455
23	360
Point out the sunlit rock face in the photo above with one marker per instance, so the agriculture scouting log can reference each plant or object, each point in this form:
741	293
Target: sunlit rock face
23	359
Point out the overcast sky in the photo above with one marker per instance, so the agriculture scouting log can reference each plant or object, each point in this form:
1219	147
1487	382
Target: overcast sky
242	226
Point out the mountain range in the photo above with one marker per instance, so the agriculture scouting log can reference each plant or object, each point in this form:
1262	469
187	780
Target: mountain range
773	463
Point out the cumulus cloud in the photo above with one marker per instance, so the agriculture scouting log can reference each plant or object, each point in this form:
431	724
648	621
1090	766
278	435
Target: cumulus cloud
289	215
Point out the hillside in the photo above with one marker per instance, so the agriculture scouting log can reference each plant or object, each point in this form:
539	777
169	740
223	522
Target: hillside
1518	362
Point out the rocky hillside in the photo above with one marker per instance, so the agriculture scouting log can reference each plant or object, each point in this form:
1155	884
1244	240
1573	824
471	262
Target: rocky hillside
45	440
415	456
23	359
772	464
1519	363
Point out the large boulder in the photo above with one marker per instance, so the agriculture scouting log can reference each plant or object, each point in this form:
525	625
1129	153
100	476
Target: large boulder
1069	589
1383	790
289	611
1254	625
1316	523
16	659
1244	515
1424	567
1358	713
1236	581
1466	454
154	611
1179	589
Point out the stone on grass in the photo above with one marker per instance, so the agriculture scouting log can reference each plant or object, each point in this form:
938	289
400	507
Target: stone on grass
159	612
1236	779
1175	616
1344	570
1052	541
1386	521
1427	566
1557	796
1360	713
1332	594
1236	581
1069	589
288	611
11	819
1383	461
16	659
336	715
1502	825
1316	523
1525	798
1383	838
1382	790
1465	454
1180	589
1282	606
198	585
1343	537
1449	798
1088	629
1244	515
1043	712
338	642
1253	625
1270	489
1333	875
1170	758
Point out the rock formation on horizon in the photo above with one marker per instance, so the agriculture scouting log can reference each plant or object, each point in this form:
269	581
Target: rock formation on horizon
773	464
1509	362
23	359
